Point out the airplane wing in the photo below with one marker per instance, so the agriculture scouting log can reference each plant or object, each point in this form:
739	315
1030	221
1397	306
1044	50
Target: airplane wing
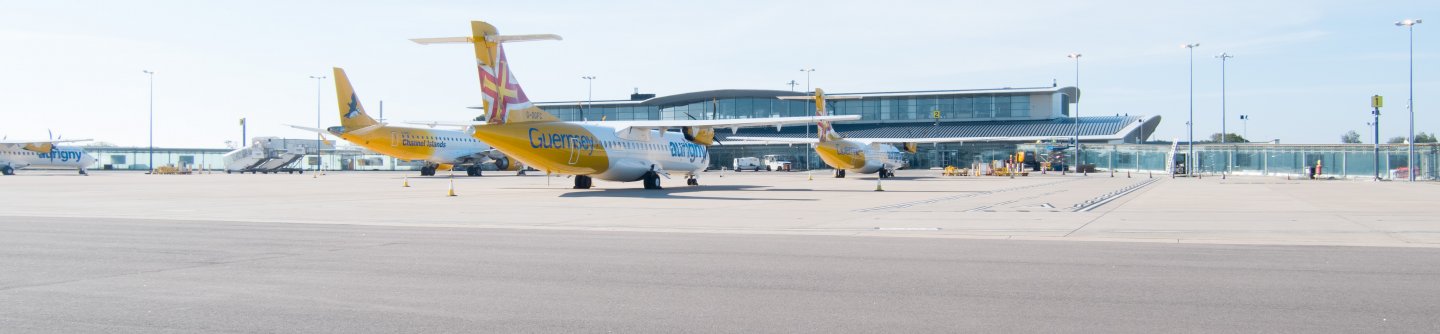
926	140
42	146
732	124
770	140
812	97
23	142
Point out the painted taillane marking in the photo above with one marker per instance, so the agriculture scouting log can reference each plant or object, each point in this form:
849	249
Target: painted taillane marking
948	198
1106	198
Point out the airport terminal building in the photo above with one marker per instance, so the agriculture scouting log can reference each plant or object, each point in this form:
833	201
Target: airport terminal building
999	119
1004	120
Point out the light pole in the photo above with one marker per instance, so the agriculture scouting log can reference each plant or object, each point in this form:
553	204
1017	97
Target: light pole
1190	146
808	147
1409	24
1079	151
589	97
1223	57
792	84
807	77
319	138
1223	118
151	166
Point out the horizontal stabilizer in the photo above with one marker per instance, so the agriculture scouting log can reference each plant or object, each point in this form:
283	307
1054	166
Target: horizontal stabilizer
306	128
493	39
433	124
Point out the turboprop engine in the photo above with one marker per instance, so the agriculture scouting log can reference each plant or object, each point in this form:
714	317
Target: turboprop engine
699	135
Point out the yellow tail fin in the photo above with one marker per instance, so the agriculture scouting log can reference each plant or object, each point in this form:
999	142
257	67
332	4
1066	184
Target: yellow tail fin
352	114
823	127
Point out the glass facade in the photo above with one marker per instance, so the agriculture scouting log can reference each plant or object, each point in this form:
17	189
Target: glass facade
606	112
1345	161
136	158
956	107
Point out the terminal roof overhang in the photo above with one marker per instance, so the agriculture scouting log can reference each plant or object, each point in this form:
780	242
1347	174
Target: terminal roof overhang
1092	129
701	96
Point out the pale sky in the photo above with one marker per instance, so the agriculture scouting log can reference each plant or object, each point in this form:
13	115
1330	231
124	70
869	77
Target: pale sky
1303	70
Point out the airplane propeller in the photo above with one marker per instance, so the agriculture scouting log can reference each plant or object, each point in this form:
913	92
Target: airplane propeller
692	117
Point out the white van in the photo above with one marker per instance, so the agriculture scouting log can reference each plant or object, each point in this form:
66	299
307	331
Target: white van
747	163
775	162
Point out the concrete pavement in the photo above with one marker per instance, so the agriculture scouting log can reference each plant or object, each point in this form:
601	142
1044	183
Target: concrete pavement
112	275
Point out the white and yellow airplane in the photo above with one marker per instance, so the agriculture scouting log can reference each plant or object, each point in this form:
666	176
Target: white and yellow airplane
609	150
17	154
859	155
440	149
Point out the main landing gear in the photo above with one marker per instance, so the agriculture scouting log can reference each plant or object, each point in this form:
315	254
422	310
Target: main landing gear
839	173
692	180
473	170
7	170
652	180
886	173
427	170
582	182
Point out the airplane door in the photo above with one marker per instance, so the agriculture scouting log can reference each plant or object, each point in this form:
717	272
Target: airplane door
949	158
574	152
394	138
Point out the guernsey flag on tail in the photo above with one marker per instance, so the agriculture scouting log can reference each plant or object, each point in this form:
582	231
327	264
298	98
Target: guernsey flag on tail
502	93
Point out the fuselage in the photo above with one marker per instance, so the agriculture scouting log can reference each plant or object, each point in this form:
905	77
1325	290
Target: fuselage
860	157
595	150
437	146
59	157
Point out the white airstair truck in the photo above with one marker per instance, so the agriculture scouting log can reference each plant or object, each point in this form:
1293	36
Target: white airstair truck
267	155
1176	162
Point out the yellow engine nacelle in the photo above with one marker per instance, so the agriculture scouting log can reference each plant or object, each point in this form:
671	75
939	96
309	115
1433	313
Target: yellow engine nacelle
504	163
911	147
699	135
47	147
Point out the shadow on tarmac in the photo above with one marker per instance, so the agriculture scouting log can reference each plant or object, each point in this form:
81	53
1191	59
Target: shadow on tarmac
671	191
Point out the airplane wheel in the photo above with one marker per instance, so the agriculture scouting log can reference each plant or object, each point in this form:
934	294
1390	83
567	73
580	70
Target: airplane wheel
692	181
582	182
652	180
839	173
7	170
